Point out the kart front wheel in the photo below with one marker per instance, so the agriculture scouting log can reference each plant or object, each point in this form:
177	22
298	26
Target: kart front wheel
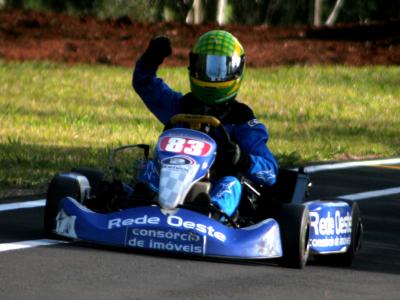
294	225
94	176
61	186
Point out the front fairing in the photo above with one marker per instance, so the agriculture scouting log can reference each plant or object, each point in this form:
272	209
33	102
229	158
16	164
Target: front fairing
183	231
184	157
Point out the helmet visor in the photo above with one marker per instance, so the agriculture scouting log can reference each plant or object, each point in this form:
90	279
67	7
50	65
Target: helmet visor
215	68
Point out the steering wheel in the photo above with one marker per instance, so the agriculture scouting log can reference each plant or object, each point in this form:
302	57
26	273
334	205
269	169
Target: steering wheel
197	122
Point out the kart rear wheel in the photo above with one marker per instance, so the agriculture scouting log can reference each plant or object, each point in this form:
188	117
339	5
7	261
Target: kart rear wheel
61	186
346	259
294	225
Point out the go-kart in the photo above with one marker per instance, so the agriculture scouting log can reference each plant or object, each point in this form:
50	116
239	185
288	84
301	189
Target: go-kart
273	224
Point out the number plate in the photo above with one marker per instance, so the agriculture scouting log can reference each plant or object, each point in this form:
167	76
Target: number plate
183	145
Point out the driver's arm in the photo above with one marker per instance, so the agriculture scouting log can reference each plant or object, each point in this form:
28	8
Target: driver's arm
159	98
253	158
252	137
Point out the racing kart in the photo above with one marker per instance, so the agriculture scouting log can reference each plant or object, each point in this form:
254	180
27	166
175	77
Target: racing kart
273	224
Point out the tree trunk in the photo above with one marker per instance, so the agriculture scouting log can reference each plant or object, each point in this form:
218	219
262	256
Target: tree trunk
317	13
197	11
221	12
335	12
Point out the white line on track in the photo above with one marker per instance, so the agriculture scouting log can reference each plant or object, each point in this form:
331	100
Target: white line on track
29	244
372	194
351	164
21	205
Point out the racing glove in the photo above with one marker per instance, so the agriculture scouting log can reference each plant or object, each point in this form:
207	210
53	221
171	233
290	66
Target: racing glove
231	160
159	48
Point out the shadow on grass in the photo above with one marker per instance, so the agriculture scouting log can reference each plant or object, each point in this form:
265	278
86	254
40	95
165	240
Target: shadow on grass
27	166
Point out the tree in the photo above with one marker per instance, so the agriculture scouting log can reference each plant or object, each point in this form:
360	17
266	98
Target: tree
317	13
221	12
195	14
250	12
334	14
206	11
287	13
174	10
273	12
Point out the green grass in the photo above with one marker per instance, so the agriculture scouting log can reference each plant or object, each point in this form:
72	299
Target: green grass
54	117
328	113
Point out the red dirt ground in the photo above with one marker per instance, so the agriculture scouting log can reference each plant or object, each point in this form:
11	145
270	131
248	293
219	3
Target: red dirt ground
27	35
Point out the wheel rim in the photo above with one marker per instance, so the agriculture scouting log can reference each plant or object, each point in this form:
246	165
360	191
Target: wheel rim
306	246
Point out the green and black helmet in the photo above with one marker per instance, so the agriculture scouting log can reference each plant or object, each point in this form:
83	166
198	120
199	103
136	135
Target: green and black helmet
216	65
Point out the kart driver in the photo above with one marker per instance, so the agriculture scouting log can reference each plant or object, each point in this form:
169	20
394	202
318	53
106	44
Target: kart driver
216	64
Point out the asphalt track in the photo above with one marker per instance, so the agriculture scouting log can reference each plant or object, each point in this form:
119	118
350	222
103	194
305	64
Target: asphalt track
79	271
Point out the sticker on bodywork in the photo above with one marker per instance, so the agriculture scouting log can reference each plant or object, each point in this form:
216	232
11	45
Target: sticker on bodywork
165	240
330	227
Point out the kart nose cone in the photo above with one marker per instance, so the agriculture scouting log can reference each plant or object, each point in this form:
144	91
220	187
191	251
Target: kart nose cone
175	182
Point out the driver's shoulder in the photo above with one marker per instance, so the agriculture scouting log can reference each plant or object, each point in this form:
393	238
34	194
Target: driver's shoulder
240	113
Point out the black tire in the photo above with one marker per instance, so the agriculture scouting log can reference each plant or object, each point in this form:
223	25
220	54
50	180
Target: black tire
94	176
294	225
346	259
62	186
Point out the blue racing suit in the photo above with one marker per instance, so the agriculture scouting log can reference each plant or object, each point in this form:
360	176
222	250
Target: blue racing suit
237	118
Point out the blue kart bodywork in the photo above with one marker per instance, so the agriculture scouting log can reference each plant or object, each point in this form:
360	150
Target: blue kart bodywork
189	232
184	231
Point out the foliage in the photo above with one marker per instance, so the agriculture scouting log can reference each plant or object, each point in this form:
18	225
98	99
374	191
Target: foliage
140	10
56	117
372	10
275	12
